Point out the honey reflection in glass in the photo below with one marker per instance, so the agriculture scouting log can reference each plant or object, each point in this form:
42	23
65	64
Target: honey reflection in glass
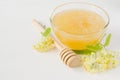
77	25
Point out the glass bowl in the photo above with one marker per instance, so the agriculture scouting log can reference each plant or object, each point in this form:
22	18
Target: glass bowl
78	41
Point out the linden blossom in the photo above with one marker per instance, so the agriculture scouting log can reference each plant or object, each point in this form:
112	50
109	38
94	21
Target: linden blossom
100	61
46	43
96	58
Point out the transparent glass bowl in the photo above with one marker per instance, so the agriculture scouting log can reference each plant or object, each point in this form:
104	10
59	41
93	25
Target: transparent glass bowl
79	42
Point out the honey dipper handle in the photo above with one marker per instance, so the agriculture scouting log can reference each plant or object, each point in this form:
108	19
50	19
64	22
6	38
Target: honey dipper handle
42	28
38	25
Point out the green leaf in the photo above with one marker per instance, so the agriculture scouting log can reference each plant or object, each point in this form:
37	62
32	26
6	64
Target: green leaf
82	51
99	46
107	41
91	48
95	48
46	32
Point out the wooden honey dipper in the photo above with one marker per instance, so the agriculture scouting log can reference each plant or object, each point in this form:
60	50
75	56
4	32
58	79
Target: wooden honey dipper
66	54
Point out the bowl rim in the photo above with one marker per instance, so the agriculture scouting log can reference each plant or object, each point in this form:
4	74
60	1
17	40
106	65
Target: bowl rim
79	35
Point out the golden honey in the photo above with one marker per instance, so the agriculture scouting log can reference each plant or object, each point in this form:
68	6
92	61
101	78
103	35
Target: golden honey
77	28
